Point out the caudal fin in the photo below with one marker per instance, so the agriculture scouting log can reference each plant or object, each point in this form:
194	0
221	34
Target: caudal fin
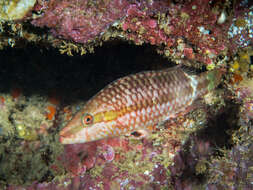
209	80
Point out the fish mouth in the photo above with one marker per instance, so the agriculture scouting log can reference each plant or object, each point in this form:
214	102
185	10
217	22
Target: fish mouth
65	136
67	132
69	136
61	139
66	140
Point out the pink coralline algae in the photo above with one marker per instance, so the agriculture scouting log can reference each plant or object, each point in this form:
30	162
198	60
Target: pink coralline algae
80	157
106	164
107	152
80	20
191	29
188	30
117	163
169	159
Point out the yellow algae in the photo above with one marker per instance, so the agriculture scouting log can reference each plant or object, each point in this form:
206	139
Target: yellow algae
201	166
96	171
240	22
210	66
235	65
132	163
15	9
26	133
241	63
69	48
184	16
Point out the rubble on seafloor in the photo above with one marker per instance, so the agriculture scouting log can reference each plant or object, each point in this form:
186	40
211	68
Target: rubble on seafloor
210	147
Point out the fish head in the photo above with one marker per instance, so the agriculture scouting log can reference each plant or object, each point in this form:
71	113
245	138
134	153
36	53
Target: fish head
95	121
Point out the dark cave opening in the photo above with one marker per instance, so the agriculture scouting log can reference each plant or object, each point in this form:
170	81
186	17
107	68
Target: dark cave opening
41	71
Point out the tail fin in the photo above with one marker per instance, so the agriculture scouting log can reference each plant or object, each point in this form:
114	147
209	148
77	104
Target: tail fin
209	80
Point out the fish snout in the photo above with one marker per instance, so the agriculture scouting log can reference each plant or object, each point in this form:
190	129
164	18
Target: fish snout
61	139
67	139
64	137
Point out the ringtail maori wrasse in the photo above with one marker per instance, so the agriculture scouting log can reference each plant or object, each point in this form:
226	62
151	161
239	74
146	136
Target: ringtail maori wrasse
137	102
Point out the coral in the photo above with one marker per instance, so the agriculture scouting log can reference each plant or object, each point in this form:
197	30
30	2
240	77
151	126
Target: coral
7	104
196	30
191	30
190	161
241	63
241	81
14	10
244	94
25	132
81	20
124	162
241	31
27	119
182	31
234	170
24	138
68	48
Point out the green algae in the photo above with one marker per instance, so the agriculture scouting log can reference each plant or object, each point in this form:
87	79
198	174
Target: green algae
6	126
133	164
96	171
26	155
201	166
26	133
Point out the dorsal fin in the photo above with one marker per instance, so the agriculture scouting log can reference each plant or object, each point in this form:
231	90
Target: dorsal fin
190	70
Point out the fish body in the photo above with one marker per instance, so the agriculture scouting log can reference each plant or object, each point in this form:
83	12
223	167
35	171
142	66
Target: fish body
137	102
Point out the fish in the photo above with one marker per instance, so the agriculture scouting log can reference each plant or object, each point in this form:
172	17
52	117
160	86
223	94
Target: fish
138	103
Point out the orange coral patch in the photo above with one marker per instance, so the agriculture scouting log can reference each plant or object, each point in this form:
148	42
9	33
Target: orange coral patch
68	113
236	78
52	111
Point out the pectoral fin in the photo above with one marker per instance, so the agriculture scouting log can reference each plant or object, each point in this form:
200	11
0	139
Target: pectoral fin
142	133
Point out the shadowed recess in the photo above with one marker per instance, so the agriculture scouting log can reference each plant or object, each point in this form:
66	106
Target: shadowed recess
40	71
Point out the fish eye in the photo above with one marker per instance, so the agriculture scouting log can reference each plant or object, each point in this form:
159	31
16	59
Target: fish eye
87	119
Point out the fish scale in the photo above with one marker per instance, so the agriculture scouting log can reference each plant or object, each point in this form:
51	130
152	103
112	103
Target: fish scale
137	102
